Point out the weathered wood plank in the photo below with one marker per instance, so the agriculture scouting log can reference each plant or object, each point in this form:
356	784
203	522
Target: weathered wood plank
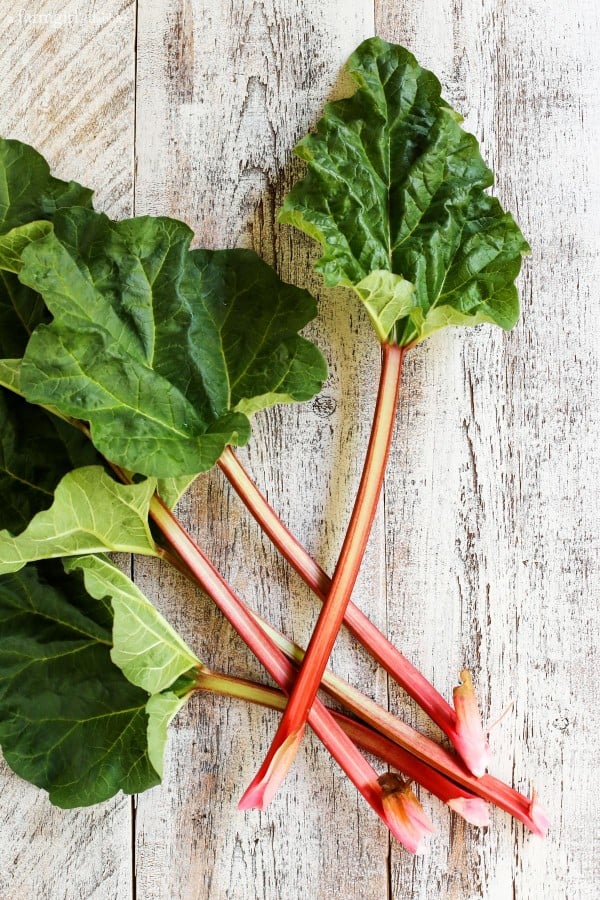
67	88
491	517
492	526
234	86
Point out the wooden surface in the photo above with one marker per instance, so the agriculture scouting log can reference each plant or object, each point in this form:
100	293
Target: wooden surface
485	550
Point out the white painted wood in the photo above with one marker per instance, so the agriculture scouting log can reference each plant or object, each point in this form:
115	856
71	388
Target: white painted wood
491	513
67	78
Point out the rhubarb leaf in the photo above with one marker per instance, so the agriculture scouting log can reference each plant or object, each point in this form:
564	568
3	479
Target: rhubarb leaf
10	375
163	350
171	490
70	722
387	298
28	194
90	513
28	191
36	451
394	185
83	714
145	647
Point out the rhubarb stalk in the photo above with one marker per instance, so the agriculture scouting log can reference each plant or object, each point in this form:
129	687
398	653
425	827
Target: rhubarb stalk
393	661
465	803
190	560
380	720
395	192
292	724
525	809
280	669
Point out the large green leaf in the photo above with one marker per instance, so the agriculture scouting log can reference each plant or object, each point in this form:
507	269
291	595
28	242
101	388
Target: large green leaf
90	513
396	189
70	722
163	350
28	191
36	449
90	677
28	194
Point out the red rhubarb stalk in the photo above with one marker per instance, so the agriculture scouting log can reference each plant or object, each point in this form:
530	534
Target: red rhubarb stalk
525	809
341	747
464	730
292	724
465	803
384	723
190	560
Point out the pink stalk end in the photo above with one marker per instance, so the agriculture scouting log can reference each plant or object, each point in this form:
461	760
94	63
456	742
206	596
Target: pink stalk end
469	738
406	817
473	809
265	784
539	816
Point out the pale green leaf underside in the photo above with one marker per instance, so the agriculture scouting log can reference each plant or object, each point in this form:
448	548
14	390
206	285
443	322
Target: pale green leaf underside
387	298
161	709
394	184
10	375
76	717
170	490
145	647
14	242
91	513
163	350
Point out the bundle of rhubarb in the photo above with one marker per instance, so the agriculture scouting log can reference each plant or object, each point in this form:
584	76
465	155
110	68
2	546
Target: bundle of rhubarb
131	364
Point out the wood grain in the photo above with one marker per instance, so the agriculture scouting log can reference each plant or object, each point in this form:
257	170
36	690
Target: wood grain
492	525
485	551
68	89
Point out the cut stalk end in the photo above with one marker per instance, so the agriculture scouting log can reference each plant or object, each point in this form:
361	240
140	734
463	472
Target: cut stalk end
539	817
268	779
473	809
469	737
404	815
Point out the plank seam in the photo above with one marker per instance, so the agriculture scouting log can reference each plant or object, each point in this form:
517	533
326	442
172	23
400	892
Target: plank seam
135	102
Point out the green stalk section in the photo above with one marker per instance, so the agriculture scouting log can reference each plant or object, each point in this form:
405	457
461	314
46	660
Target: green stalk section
341	747
291	728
